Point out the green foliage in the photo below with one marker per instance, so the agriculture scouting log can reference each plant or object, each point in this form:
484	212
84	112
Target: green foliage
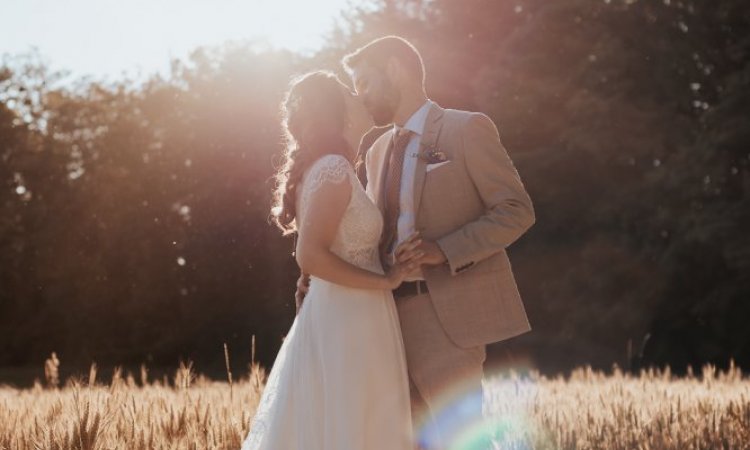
628	121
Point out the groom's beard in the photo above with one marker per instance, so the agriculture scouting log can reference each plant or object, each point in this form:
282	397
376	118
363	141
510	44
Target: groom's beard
383	109
382	116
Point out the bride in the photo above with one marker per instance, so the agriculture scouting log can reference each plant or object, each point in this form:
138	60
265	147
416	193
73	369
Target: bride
339	381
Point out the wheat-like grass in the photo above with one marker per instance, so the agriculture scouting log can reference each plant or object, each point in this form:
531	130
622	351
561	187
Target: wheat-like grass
587	410
653	410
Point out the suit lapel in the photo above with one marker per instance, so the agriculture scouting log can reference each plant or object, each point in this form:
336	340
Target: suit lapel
432	127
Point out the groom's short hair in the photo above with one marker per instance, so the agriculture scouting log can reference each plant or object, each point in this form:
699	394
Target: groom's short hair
377	52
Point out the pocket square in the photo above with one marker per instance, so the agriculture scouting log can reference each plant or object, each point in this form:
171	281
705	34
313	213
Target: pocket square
430	167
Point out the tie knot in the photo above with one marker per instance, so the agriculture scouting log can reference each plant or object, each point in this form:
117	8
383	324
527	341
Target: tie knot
401	137
400	131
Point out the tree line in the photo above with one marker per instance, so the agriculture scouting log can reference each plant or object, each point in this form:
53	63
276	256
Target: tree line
134	224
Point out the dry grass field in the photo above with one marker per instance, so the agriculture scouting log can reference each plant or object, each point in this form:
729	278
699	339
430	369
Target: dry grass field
586	410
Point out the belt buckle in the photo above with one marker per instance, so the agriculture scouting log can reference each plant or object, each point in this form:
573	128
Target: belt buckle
410	288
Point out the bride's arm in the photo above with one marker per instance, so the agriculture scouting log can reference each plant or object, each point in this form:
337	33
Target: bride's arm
316	234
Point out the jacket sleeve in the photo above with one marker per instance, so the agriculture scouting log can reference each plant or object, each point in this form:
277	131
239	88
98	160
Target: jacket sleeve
508	208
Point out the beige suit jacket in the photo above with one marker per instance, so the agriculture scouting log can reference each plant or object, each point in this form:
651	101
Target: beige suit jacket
474	207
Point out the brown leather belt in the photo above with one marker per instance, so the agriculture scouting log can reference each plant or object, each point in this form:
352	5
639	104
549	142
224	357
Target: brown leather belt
410	289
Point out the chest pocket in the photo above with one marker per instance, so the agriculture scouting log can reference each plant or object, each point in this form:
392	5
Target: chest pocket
444	196
445	183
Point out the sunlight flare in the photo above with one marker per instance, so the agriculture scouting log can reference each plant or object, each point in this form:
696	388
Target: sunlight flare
108	37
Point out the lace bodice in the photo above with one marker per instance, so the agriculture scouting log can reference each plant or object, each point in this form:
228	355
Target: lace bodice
358	234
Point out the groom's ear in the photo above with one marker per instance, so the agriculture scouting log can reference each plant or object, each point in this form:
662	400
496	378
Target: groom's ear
394	70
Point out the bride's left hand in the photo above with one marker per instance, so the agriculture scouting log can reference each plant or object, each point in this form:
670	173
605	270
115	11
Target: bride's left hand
408	249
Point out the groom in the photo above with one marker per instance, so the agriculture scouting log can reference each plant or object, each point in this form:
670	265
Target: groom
445	174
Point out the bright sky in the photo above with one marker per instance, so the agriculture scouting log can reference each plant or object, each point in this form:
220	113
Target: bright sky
106	37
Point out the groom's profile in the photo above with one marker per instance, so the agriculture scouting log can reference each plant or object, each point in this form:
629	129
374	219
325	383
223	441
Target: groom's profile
445	174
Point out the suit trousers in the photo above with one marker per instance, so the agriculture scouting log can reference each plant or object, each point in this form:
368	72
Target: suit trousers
445	380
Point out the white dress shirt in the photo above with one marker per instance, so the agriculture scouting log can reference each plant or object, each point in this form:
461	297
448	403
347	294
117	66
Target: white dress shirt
407	215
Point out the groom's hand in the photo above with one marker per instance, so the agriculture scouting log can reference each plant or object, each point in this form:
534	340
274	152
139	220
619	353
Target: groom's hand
432	254
417	249
303	285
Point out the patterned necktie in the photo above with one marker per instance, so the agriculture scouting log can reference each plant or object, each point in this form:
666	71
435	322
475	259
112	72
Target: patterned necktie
397	150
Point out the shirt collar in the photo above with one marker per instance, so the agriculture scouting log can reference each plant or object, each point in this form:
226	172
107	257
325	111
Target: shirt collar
417	120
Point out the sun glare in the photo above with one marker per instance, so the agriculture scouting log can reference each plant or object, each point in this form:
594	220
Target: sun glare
297	24
107	37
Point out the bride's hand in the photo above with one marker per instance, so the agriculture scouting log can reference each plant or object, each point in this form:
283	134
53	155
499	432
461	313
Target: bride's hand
408	249
397	273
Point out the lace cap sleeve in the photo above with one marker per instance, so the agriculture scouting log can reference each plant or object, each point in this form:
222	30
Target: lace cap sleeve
333	169
328	170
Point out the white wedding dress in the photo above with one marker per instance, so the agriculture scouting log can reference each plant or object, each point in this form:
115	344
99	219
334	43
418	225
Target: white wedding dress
339	381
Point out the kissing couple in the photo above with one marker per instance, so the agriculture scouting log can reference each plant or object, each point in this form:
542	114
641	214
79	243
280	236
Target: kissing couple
405	281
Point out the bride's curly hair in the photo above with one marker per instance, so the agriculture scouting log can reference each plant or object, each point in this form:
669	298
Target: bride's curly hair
313	117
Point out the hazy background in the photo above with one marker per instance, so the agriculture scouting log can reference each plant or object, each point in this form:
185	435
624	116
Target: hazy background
136	185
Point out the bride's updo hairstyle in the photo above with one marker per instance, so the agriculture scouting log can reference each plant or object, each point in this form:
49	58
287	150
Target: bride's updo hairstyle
313	117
